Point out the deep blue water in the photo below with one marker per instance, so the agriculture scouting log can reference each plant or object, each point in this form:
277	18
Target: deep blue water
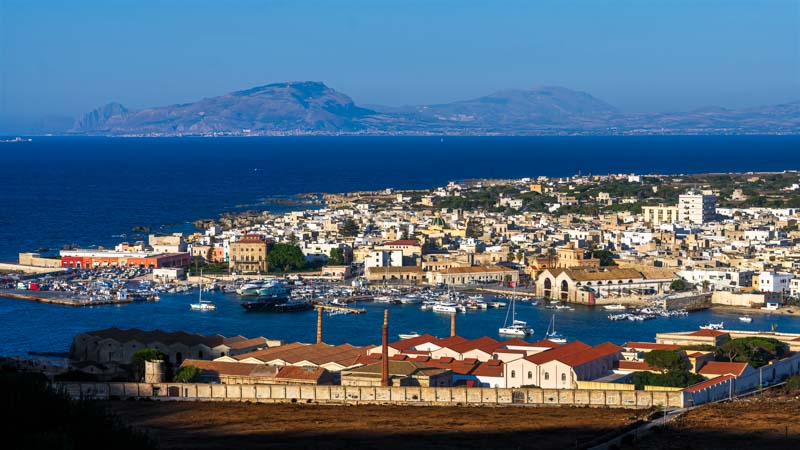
28	326
89	191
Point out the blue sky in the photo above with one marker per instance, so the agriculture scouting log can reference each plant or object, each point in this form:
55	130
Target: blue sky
66	57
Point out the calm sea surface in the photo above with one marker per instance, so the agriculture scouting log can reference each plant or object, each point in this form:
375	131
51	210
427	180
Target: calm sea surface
91	191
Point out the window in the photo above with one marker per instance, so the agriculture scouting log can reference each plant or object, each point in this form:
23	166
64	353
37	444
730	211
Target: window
547	376
530	375
513	374
564	377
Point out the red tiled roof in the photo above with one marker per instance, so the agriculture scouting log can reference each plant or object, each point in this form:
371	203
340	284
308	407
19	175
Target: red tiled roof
232	368
399	357
300	373
412	242
723	368
695	355
448	341
544	343
513	351
489	369
484	343
413	342
708	333
651	346
591	354
517	342
558	352
633	365
415	352
708	383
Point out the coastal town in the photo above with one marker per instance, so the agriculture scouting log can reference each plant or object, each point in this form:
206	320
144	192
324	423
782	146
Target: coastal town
634	246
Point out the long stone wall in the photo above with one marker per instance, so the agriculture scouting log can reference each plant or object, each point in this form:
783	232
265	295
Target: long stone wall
406	395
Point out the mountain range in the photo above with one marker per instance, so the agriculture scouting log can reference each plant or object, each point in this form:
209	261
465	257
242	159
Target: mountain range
309	107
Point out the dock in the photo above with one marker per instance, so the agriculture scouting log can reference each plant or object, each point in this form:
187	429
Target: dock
58	298
346	309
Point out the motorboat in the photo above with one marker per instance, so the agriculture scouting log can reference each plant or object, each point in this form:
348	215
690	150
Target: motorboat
410	335
614	307
270	305
745	319
410	300
713	326
448	307
248	290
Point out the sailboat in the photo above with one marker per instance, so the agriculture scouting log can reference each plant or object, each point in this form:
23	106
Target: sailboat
202	305
552	335
517	327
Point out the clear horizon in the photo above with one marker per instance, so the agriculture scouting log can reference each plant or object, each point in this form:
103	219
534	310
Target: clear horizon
64	60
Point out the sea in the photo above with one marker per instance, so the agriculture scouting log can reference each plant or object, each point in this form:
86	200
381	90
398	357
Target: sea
93	191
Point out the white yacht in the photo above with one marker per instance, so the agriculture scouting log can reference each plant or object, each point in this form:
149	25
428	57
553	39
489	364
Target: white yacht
202	305
552	335
745	319
713	326
249	289
517	327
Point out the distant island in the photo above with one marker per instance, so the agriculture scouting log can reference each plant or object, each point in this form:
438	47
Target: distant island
312	108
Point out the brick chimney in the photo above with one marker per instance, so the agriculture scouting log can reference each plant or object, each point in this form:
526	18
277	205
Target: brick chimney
319	325
452	325
385	350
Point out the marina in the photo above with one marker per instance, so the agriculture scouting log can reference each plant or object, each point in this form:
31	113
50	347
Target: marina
172	312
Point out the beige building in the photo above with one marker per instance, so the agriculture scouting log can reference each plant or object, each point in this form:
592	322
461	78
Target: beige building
656	215
246	373
401	274
249	255
118	346
473	275
592	285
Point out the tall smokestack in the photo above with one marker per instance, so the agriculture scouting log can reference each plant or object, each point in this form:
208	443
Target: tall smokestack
319	325
385	350
452	325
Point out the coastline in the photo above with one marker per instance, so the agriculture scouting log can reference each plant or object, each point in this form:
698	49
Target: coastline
791	311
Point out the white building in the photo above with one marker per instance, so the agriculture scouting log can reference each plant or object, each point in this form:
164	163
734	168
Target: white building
696	207
384	258
774	282
718	279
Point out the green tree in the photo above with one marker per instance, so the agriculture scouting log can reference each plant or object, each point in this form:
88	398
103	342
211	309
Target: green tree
756	351
605	256
336	257
285	257
349	228
682	379
666	361
146	354
678	285
187	374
